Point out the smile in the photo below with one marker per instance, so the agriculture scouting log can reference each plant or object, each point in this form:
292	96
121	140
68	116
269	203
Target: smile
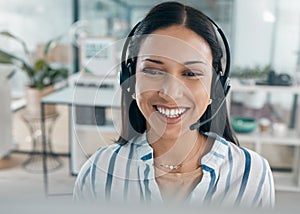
171	112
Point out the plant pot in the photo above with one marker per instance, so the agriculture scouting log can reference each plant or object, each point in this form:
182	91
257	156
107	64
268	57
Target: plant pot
33	102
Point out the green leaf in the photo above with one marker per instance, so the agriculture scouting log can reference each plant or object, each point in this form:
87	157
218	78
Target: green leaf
58	74
50	44
8	34
88	71
40	73
40	65
39	85
11	74
8	58
28	69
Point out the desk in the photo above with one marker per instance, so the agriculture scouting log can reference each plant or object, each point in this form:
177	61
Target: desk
73	96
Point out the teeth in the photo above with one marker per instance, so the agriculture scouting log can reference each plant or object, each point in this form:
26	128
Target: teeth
171	113
168	112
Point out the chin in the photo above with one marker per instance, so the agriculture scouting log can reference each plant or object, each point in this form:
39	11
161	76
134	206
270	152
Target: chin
174	133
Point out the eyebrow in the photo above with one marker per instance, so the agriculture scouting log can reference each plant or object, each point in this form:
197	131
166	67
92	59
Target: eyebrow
193	62
154	61
185	63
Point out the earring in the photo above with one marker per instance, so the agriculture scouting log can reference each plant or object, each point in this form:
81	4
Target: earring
210	101
133	96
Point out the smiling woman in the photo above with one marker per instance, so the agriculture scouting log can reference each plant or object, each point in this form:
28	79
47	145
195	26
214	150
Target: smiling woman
176	143
173	79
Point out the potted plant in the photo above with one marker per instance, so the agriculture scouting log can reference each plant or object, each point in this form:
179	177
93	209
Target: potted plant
41	74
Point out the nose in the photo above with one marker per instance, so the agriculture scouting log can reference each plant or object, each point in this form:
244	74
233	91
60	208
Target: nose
171	87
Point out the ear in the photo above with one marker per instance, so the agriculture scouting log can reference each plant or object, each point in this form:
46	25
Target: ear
209	102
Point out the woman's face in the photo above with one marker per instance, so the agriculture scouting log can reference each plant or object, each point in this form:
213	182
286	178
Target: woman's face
173	80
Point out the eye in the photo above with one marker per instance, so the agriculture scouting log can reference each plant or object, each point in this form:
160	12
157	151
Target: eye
192	73
152	71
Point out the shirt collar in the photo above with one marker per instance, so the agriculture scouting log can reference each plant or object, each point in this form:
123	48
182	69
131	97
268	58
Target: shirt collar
144	150
218	153
213	159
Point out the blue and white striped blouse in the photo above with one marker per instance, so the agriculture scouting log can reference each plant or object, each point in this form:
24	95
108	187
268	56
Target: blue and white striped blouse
232	176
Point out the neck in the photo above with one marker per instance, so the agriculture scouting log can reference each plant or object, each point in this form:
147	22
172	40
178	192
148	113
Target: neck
179	154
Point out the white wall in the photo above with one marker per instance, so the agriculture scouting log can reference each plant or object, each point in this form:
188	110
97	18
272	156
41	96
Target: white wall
254	43
257	41
288	36
252	36
35	20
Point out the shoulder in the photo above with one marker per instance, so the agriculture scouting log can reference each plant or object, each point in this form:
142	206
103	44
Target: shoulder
106	162
98	160
103	155
241	176
247	165
116	154
255	174
247	156
244	155
237	158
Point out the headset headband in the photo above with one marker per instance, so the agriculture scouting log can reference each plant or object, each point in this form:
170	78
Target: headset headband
125	46
227	49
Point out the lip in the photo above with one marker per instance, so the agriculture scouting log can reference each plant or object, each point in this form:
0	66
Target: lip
170	106
170	120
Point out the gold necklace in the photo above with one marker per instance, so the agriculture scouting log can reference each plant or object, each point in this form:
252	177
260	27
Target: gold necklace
170	167
174	167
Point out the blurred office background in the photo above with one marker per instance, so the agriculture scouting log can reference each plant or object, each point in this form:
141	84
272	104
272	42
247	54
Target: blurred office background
264	38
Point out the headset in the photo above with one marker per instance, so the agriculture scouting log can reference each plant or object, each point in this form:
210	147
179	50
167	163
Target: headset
128	66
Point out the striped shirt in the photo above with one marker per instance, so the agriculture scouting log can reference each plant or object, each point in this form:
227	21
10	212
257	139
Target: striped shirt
232	176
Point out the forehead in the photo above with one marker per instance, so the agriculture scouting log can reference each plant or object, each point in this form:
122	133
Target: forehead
176	43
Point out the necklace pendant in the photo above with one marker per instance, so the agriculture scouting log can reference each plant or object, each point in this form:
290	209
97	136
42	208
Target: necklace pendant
171	167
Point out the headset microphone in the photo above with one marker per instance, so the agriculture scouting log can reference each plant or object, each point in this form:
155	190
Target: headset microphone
198	124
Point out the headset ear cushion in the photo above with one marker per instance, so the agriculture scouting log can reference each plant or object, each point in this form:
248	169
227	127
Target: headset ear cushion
129	69
125	74
220	85
214	87
226	85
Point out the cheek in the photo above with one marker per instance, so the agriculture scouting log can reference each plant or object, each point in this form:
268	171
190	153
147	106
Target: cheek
143	101
143	91
145	86
201	101
200	97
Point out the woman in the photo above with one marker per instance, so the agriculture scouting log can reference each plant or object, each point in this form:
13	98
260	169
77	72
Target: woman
171	83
